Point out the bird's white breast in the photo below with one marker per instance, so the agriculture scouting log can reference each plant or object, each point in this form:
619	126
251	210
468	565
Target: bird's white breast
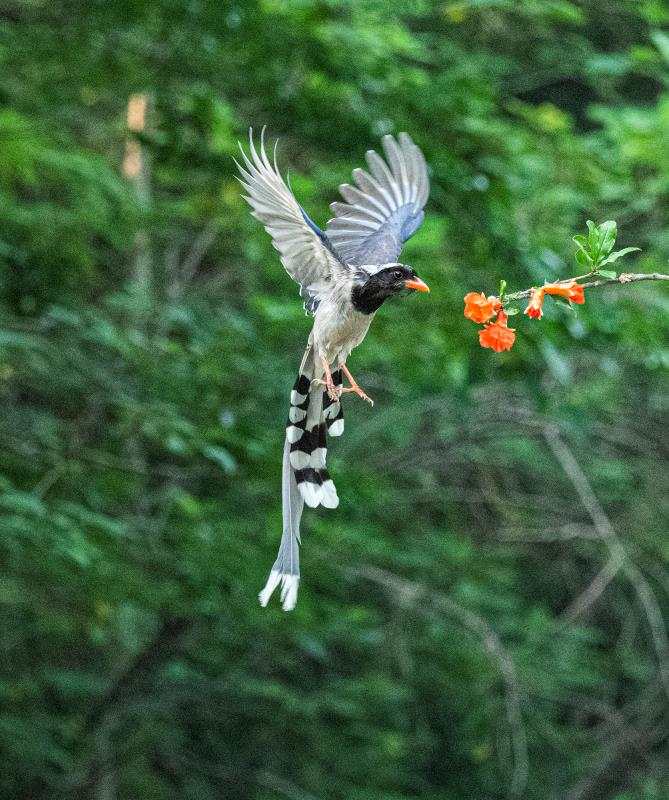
338	327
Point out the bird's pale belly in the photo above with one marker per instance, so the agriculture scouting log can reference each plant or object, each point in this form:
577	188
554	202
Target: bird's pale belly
336	334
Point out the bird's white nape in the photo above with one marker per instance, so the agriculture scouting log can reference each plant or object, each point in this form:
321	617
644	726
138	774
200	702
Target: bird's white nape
372	269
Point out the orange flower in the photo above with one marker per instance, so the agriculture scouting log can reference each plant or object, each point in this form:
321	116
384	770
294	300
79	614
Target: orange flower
497	336
479	308
572	291
534	307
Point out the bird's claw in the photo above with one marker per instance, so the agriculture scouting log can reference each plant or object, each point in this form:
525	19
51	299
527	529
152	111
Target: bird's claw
333	392
357	390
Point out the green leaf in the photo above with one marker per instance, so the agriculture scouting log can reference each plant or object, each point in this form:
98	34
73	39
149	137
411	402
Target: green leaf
607	273
607	236
583	259
582	242
502	288
619	254
510	312
601	239
593	240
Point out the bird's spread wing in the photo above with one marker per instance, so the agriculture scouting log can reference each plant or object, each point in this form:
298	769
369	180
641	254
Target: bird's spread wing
385	207
306	252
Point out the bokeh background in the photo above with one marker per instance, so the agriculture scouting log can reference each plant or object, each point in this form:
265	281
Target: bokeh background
485	614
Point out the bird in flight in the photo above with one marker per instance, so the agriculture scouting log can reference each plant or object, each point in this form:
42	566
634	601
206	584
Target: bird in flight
345	273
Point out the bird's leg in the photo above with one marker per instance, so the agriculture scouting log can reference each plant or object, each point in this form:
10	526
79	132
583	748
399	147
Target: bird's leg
354	386
332	390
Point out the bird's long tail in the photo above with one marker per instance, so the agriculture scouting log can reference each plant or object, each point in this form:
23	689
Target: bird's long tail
305	478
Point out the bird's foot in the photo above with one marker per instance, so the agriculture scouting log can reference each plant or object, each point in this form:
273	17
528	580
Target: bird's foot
334	392
357	390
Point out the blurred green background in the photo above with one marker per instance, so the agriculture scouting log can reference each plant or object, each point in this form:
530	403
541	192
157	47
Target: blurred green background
484	615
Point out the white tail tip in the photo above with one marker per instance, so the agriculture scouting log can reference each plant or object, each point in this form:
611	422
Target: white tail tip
337	427
311	493
270	586
329	497
289	587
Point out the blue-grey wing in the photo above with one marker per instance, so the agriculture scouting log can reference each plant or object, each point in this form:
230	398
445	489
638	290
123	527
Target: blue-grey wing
384	208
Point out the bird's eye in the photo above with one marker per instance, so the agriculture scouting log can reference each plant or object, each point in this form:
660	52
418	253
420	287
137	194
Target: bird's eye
397	274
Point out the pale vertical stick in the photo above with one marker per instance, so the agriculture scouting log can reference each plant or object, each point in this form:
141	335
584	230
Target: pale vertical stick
136	169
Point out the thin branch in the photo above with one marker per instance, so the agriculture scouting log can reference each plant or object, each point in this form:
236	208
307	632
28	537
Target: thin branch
413	594
203	241
618	558
283	787
642	726
596	587
166	643
47	480
184	274
625	277
103	713
563	533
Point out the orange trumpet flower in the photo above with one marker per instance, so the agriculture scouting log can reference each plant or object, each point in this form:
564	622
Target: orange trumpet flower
497	335
534	307
479	308
570	290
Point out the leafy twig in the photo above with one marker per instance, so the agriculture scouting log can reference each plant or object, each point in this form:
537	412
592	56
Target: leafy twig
625	277
595	251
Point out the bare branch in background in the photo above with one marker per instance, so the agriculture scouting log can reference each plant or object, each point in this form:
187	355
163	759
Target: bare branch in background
580	605
275	783
627	737
618	560
414	594
182	274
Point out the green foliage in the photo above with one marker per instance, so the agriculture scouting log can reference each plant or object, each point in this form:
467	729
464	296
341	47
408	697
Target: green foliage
148	342
594	250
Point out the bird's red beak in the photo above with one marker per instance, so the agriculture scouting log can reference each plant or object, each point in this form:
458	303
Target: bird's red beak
417	285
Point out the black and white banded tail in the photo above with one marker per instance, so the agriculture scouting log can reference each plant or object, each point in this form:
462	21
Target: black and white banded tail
305	478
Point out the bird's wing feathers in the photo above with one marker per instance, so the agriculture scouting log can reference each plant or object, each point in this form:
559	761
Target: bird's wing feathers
305	250
385	207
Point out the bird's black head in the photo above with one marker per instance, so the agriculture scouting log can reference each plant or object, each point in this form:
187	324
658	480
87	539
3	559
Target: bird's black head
368	295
